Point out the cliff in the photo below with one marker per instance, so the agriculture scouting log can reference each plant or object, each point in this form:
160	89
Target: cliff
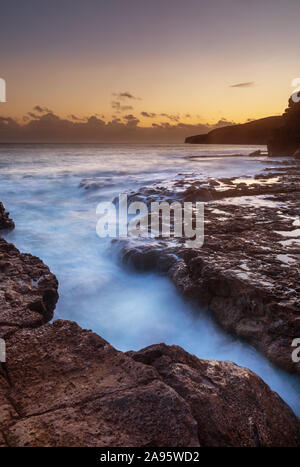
256	132
286	141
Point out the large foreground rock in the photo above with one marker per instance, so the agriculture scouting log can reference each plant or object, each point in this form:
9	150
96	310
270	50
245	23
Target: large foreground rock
231	404
69	387
64	386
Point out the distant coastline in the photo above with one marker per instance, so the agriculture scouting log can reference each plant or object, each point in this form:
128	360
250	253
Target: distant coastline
255	132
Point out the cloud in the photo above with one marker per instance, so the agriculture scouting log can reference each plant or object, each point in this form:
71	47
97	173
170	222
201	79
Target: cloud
131	120
125	95
148	114
248	84
77	119
120	108
33	115
8	124
223	122
173	118
41	109
49	127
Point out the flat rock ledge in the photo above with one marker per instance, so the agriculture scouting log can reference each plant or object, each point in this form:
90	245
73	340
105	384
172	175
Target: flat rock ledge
247	272
65	386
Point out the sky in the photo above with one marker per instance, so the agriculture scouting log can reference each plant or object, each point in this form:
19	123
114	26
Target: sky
193	64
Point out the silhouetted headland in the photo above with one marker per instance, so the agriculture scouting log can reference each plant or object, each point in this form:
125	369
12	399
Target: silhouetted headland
256	132
280	133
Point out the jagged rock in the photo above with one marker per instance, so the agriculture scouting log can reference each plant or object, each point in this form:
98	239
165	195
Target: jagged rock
28	291
64	386
5	222
247	271
232	405
69	387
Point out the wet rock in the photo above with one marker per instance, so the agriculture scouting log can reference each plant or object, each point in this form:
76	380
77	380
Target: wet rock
65	386
232	405
69	387
5	222
247	271
28	291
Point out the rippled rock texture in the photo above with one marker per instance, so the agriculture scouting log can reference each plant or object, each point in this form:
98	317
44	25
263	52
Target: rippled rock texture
247	272
28	290
230	404
64	386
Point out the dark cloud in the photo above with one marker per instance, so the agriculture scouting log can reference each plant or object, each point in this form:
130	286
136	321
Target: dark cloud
125	95
33	115
48	127
7	124
223	122
95	121
41	109
131	120
243	85
77	119
116	105
148	114
173	118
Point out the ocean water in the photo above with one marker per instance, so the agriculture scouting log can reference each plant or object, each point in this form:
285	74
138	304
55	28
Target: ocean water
55	216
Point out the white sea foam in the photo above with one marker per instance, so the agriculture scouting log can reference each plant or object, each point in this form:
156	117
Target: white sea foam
55	220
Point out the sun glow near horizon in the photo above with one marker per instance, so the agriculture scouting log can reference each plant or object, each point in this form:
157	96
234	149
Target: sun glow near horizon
149	65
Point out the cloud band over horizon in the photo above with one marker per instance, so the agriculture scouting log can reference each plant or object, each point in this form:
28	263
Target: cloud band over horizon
49	127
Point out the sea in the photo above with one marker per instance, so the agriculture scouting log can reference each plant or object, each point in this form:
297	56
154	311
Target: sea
52	192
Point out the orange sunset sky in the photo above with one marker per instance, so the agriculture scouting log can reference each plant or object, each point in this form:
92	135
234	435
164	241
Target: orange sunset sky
138	63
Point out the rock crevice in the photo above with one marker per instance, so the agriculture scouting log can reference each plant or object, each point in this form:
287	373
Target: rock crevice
62	385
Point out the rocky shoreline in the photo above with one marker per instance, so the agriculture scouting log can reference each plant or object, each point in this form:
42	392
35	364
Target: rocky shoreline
247	271
64	386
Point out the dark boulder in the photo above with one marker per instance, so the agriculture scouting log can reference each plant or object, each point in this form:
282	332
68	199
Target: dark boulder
5	222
